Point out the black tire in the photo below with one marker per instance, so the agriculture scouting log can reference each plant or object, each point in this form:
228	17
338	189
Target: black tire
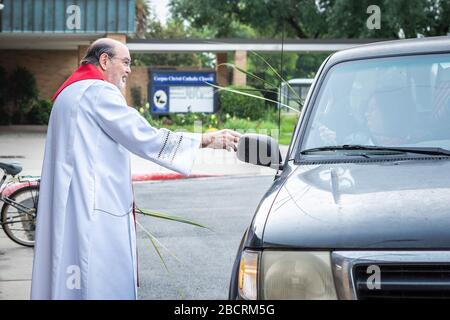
27	196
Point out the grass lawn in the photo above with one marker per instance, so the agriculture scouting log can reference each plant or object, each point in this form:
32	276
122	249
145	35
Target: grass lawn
288	123
264	126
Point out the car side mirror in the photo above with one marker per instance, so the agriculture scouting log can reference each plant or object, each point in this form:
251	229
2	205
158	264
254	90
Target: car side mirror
260	150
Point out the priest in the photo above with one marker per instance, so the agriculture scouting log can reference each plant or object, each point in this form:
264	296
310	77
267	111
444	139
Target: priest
85	244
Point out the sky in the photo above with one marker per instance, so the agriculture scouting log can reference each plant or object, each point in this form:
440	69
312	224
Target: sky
160	8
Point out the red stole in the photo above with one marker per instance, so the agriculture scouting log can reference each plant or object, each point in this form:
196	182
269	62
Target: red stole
84	72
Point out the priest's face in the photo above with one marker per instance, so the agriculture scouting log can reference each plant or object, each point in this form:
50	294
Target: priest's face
118	67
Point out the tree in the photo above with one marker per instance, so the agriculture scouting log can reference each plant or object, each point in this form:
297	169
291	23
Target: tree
267	17
142	18
173	30
347	18
307	64
315	18
441	18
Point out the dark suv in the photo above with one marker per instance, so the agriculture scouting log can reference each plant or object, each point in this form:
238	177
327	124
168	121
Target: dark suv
360	208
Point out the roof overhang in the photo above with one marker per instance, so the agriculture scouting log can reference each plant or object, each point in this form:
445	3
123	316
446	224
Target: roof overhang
71	41
45	41
226	45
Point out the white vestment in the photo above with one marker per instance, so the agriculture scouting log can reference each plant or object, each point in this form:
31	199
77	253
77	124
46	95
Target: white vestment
85	235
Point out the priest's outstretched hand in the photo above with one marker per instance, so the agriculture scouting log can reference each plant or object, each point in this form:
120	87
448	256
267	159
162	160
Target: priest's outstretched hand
223	139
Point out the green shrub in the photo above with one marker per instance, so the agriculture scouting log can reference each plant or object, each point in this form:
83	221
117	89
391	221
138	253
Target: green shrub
23	92
4	114
22	87
241	106
39	112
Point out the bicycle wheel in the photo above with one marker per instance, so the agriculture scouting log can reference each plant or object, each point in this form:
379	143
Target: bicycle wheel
19	217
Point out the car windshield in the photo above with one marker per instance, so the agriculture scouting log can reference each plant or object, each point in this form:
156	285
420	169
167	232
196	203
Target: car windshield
391	102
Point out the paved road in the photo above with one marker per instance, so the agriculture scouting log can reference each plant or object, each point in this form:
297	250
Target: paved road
224	204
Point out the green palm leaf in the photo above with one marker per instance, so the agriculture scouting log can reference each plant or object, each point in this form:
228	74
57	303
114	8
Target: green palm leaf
251	95
156	242
248	73
278	75
166	216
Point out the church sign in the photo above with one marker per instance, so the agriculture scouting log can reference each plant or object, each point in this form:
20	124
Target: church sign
182	91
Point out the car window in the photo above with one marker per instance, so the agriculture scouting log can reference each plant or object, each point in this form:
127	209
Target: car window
398	101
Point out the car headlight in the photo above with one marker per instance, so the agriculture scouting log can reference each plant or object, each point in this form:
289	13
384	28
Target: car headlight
297	275
248	275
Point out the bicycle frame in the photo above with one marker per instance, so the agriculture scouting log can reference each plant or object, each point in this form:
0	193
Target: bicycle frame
14	204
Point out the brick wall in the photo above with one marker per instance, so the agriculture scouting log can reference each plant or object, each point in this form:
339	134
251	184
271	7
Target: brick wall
50	68
138	78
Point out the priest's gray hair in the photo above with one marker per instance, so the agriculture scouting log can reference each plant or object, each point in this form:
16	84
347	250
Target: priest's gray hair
96	49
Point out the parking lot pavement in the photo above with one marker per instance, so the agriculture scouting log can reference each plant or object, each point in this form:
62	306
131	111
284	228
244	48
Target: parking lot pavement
15	269
226	205
26	145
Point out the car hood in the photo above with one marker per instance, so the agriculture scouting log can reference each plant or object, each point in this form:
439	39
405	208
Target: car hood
385	204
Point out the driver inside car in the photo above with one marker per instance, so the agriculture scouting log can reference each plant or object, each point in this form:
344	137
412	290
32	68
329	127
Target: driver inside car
385	124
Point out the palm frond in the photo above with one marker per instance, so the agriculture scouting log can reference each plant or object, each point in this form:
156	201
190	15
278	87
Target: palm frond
166	216
277	74
152	240
252	95
231	65
155	242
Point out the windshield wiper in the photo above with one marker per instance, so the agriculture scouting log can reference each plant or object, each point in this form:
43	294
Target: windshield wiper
424	150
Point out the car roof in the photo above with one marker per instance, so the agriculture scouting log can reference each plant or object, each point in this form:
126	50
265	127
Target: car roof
393	48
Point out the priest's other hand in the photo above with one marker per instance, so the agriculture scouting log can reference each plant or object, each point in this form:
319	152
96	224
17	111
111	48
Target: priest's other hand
223	139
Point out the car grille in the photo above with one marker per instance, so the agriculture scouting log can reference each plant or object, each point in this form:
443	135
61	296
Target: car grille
406	281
